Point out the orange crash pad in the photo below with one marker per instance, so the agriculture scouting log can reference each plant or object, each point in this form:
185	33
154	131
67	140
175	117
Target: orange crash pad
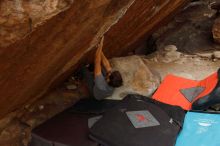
183	92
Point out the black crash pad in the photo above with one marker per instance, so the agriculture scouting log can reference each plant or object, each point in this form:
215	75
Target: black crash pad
70	128
139	121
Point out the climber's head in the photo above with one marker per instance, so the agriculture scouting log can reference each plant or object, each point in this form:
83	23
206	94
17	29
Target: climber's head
115	79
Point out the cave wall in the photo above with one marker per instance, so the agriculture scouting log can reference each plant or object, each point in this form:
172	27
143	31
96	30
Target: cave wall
45	56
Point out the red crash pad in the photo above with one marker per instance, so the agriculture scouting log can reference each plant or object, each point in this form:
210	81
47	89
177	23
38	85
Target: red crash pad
171	90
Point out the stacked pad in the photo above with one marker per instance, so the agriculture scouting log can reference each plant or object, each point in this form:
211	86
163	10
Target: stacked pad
70	128
139	121
200	129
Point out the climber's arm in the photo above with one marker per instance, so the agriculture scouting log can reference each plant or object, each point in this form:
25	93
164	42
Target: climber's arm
98	59
106	63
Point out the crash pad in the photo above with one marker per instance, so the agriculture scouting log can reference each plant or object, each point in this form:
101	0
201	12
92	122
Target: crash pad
65	129
200	129
183	92
71	127
139	121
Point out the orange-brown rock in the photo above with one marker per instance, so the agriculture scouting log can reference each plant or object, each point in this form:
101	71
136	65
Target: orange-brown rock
29	67
142	18
19	17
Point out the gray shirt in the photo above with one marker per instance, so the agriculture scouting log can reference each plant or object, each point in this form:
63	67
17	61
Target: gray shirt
101	88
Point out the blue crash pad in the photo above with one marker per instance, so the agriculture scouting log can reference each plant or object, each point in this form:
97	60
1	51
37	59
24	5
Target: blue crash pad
200	129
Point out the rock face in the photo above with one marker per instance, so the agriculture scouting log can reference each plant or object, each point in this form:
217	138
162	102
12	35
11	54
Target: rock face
19	17
48	55
29	67
216	30
142	18
137	78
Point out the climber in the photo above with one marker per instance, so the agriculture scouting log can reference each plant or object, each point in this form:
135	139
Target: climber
102	82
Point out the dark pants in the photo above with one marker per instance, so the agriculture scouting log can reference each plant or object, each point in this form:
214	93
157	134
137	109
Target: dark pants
88	77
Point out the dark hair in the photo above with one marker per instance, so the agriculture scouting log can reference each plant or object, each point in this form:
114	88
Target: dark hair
115	79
